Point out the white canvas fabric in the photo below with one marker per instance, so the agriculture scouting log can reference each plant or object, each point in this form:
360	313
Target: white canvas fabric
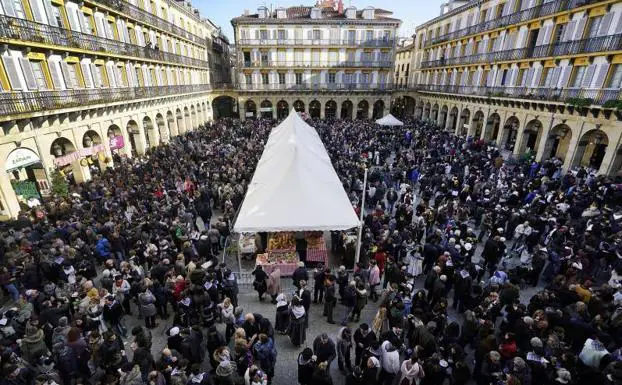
295	187
389	120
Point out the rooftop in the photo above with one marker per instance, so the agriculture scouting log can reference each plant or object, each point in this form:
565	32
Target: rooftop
303	13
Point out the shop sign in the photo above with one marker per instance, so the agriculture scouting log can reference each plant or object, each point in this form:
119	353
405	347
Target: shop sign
117	142
81	153
21	157
265	109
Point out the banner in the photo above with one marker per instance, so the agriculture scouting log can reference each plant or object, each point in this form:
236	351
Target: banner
81	153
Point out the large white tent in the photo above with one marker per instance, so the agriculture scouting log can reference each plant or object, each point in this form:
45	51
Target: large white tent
295	187
389	120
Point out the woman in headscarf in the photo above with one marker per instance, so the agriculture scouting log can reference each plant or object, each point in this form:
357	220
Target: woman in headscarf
297	316
306	366
282	314
274	284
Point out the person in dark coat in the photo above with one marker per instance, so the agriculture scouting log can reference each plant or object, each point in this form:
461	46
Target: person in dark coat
281	322
300	274
113	314
321	375
306	366
260	284
331	299
325	349
363	337
318	288
191	347
174	339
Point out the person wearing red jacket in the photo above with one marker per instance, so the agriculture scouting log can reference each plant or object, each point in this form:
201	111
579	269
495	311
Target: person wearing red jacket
381	258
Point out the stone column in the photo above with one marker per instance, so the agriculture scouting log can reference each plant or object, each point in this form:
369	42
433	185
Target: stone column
80	173
338	110
7	194
242	109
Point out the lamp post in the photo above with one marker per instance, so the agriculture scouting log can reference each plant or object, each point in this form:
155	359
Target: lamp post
360	235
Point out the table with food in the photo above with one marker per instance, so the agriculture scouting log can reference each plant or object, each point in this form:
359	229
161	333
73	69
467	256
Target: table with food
281	251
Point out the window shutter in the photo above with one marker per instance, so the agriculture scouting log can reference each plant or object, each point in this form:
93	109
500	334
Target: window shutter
96	76
469	20
524	5
540	36
310	35
117	71
605	24
555	78
55	74
101	29
64	68
565	77
618	24
50	13
120	28
11	70
514	77
31	82
522	39
86	74
580	29
529	78
111	76
569	32
146	78
537	74
36	12
547	35
9	9
589	75
83	26
257	34
489	78
602	75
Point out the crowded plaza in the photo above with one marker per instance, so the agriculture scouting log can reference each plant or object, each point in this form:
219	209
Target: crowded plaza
474	267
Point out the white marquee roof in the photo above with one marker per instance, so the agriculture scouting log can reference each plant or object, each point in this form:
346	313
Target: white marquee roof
295	187
389	120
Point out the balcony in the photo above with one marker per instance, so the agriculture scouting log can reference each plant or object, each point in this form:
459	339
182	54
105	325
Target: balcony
13	103
599	96
30	31
490	57
538	11
323	64
591	45
378	43
140	14
316	87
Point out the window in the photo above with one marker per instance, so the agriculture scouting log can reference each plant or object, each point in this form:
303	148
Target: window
281	78
615	80
504	77
332	78
317	34
282	34
367	58
521	76
264	57
548	76
265	79
298	78
37	70
88	24
559	33
369	35
386	35
348	78
263	34
18	7
351	37
365	78
595	23
248	78
577	77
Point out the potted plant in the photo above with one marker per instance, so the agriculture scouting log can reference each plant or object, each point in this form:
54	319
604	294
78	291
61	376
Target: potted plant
613	105
581	104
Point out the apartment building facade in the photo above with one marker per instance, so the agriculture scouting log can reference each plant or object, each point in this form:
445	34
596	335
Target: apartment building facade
403	60
81	82
324	60
532	75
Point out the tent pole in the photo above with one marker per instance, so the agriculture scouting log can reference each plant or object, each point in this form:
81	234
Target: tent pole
358	243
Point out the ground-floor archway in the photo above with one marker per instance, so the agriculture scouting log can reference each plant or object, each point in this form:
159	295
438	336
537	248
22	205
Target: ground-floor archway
465	118
362	110
453	120
378	109
282	109
330	109
557	143
510	133
346	110
299	106
224	106
491	131
251	109
266	109
531	137
477	124
443	117
591	149
133	133
315	109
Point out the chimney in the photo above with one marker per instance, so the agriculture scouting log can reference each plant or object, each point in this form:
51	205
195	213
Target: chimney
340	7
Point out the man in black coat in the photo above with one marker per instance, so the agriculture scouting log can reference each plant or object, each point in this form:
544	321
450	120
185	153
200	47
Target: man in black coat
325	350
113	313
363	337
318	287
331	298
349	299
300	274
305	298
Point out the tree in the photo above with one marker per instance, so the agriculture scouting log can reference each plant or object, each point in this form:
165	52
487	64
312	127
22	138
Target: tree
60	187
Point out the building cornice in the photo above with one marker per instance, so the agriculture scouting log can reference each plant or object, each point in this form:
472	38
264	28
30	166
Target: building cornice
253	21
453	12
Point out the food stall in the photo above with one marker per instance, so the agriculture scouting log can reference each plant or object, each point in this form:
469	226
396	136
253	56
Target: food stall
295	192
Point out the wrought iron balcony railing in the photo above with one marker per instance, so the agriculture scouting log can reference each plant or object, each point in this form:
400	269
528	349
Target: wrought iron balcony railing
541	10
316	87
30	31
490	57
380	43
138	13
12	103
591	45
599	96
321	64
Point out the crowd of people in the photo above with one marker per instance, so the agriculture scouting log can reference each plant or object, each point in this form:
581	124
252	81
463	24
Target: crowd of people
477	268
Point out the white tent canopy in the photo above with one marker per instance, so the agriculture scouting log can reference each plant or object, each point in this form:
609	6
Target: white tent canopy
389	120
295	187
